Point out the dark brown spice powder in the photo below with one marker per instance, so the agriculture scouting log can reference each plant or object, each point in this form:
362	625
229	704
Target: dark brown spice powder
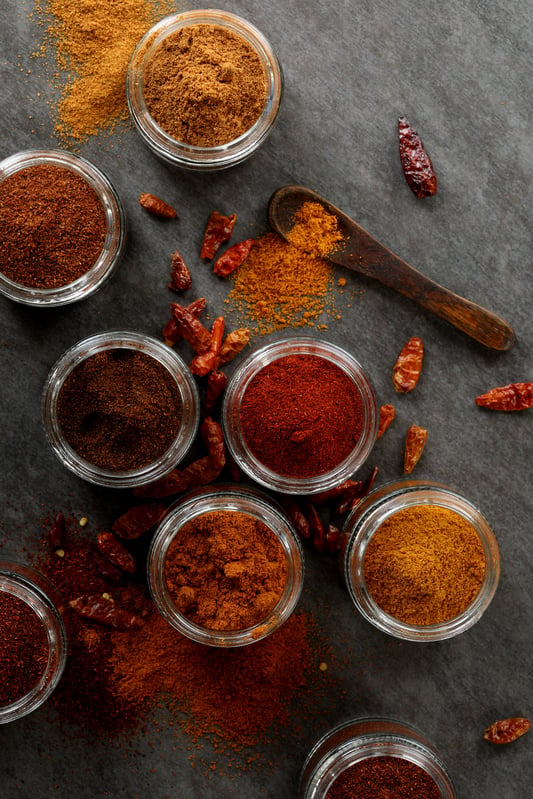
23	648
119	409
52	226
384	777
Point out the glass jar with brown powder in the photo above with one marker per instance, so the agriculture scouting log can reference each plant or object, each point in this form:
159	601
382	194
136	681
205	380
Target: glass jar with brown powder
226	567
120	409
204	89
62	228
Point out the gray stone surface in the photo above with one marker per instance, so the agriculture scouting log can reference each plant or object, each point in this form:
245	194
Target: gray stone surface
461	73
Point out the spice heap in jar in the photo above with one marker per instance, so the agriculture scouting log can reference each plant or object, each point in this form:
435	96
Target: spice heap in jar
25	648
389	777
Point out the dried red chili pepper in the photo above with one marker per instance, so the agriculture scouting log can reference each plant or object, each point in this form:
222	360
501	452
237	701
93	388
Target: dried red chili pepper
349	499
111	548
103	610
513	397
507	730
204	362
318	535
230	260
191	328
332	538
232	467
56	535
416	163
386	415
180	275
213	438
175	482
337	492
408	366
232	345
202	471
138	520
365	489
157	207
106	568
172	329
218	230
297	516
216	383
414	445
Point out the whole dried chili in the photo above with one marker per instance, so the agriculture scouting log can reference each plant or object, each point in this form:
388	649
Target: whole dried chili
103	610
408	366
191	329
507	730
234	342
213	438
416	163
56	535
138	520
415	442
175	482
513	397
172	332
110	547
386	416
204	362
384	776
301	393
218	230
233	257
157	207
297	516
215	385
180	275
341	491
23	648
316	528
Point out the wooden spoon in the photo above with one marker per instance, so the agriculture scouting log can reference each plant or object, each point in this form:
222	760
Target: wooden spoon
363	253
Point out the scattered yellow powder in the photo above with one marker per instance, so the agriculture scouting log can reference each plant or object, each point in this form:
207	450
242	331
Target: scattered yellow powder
280	286
315	230
94	40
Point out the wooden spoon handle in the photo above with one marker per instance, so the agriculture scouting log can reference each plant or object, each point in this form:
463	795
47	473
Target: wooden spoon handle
378	262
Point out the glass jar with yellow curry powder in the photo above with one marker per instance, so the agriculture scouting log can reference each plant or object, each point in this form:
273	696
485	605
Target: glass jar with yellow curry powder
204	89
420	561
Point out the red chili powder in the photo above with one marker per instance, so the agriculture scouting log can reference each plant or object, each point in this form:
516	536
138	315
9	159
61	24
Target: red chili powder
384	778
23	648
301	415
52	226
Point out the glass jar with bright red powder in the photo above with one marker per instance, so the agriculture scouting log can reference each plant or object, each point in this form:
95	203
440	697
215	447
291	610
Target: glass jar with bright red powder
370	757
33	641
300	415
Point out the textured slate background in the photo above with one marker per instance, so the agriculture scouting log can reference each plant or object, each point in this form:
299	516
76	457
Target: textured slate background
461	73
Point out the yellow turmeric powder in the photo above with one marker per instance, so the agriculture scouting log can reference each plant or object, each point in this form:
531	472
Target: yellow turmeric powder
424	565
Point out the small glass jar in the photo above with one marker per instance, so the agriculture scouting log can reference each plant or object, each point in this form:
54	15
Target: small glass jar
231	418
366	519
115	230
190	156
357	740
43	600
137	342
240	499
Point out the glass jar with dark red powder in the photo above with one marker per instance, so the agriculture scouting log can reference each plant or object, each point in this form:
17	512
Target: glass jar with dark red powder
33	641
62	228
300	415
120	409
370	757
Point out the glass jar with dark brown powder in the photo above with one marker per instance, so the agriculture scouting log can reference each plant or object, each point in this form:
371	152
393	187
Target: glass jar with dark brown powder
62	228
120	409
225	566
33	641
204	89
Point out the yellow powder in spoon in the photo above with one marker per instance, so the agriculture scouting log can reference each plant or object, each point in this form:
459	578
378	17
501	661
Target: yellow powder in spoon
93	42
315	230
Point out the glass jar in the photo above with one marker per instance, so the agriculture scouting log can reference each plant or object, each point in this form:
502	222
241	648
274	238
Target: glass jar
222	498
359	739
136	342
40	598
231	416
115	230
190	156
366	519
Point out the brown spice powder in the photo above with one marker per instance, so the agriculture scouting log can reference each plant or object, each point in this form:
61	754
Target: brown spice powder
205	85
280	285
225	570
315	230
94	41
52	226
